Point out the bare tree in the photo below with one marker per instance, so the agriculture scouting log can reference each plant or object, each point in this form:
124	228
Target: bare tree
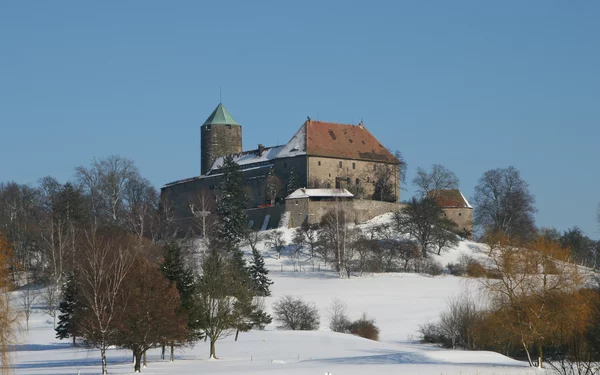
140	201
504	204
54	228
440	178
276	239
51	299
104	182
296	314
201	208
28	298
335	232
531	278
252	238
104	264
154	316
424	220
338	316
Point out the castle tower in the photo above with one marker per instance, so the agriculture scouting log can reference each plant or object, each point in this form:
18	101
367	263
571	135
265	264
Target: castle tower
219	135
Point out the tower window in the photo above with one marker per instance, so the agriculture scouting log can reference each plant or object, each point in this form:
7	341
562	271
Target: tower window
340	164
229	126
367	179
207	127
319	163
353	165
357	181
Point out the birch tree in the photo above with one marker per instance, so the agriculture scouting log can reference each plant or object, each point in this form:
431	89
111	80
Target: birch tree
105	262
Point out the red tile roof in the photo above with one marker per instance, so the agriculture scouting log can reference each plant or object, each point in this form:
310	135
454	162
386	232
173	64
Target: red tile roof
329	139
450	198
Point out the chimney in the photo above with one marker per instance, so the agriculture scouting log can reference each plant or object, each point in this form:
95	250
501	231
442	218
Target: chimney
361	125
261	148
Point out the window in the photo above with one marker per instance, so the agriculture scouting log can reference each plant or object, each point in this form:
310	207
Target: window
229	126
348	180
368	179
207	127
296	203
459	214
341	164
357	181
353	165
319	163
330	175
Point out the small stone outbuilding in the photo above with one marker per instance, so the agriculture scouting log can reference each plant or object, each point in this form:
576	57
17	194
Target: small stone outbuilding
457	208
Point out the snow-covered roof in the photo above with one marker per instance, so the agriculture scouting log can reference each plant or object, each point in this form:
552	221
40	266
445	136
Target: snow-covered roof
320	193
296	146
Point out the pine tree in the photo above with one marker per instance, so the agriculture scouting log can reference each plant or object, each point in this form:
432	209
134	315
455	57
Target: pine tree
174	269
231	205
293	182
271	187
258	273
67	326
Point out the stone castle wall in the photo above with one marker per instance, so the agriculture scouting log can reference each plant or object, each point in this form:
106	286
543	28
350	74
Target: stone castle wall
355	175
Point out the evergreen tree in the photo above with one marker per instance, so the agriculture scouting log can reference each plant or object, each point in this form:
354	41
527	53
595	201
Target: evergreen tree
258	273
231	205
271	187
293	182
66	326
174	269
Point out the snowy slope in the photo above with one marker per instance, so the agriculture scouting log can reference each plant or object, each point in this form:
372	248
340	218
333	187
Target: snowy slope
399	302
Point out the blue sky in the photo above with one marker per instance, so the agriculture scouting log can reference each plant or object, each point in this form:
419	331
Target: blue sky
472	85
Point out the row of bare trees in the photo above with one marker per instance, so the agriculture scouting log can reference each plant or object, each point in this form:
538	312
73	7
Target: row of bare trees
42	223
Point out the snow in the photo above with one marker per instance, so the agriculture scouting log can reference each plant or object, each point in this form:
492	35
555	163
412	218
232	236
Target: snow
399	303
325	193
284	222
466	201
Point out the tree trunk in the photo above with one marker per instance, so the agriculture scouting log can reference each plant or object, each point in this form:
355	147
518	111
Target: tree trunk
172	359
144	356
103	354
74	343
138	360
237	332
162	353
527	352
540	355
212	349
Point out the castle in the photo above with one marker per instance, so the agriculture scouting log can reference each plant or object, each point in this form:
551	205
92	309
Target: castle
320	155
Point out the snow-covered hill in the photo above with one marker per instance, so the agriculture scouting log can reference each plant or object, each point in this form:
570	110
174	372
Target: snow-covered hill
399	303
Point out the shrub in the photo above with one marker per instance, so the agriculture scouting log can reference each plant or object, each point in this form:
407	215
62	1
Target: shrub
338	319
431	333
476	269
365	327
455	269
295	314
431	267
455	329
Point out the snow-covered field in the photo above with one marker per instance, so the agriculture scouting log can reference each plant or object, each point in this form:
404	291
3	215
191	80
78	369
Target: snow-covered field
399	302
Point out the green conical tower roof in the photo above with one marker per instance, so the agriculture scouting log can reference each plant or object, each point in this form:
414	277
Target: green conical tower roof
220	116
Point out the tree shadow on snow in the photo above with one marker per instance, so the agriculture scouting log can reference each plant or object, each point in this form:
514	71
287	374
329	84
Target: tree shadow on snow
393	357
38	347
